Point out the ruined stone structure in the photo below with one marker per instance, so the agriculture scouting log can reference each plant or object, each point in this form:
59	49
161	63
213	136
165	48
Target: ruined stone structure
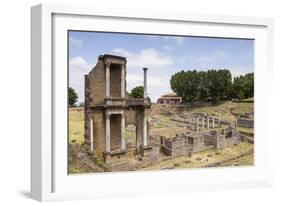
246	123
186	144
198	121
108	109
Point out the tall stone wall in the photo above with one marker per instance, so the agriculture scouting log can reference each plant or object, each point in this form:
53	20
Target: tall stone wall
98	131
130	117
87	109
115	81
115	131
97	83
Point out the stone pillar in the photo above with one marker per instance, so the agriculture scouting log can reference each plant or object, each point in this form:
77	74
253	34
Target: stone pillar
144	131
91	134
123	142
144	83
213	122
219	120
123	81
203	123
107	133
208	123
197	124
107	80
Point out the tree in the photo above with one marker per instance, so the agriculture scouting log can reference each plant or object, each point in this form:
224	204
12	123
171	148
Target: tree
223	84
243	86
177	83
72	97
137	92
202	85
186	85
192	86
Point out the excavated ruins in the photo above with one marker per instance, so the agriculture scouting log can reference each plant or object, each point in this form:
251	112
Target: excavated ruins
109	109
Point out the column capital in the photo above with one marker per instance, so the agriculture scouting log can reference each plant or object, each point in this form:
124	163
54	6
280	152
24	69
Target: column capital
145	69
107	115
107	64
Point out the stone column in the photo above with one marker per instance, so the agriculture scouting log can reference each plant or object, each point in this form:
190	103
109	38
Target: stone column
123	142
107	80
219	120
213	122
107	133
197	124
144	83
123	81
144	131
91	134
208	123
203	123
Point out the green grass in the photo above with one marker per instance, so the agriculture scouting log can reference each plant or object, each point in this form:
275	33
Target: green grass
224	154
224	109
76	124
246	130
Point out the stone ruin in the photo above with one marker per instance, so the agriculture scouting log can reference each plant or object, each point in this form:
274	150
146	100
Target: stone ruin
186	144
199	121
109	109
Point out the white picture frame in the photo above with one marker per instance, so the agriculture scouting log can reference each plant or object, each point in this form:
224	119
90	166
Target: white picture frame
49	178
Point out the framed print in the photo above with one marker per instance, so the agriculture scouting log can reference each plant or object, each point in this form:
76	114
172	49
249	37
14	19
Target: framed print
139	102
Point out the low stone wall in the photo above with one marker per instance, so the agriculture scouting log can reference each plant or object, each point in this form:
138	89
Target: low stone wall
174	147
247	139
232	141
246	123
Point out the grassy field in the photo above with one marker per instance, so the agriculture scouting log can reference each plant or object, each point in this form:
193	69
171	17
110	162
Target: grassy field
205	158
76	124
224	109
165	126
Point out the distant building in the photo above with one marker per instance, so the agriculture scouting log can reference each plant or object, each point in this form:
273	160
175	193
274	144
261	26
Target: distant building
171	98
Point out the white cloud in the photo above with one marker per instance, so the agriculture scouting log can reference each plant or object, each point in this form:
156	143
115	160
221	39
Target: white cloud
78	67
156	85
75	42
137	79
150	58
157	62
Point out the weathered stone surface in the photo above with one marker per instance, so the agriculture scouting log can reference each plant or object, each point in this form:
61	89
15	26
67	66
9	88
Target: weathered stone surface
247	123
104	96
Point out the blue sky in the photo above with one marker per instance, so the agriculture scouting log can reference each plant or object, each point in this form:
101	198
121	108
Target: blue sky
163	55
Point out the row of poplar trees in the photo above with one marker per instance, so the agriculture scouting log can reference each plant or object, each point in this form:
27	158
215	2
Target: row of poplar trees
212	85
